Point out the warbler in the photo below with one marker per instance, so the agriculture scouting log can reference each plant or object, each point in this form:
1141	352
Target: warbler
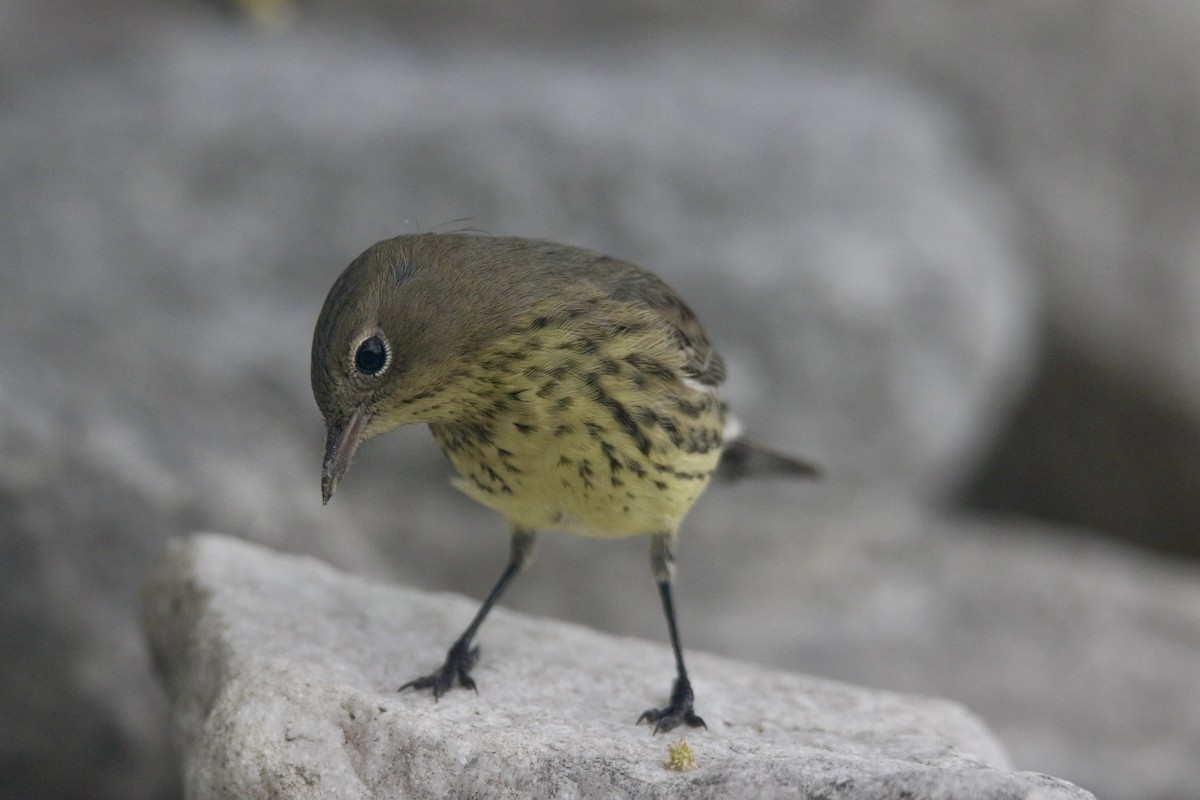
570	391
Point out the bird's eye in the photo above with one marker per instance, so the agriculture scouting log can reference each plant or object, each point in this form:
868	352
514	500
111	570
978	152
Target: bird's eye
371	358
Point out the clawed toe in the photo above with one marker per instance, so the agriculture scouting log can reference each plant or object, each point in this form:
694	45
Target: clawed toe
457	666
679	712
669	718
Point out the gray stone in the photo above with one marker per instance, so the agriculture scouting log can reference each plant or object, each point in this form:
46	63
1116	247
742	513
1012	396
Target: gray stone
1070	646
282	675
1079	652
1088	113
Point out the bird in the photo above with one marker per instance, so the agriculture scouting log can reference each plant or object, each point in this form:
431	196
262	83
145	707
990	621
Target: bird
570	391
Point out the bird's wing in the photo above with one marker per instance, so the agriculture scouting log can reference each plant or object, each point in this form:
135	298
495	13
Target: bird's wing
625	282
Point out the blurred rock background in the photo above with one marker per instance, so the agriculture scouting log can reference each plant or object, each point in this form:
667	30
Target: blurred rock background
949	250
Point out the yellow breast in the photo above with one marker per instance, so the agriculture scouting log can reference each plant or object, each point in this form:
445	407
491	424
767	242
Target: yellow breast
587	434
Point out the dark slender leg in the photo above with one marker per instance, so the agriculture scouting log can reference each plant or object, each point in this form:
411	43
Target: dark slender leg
679	711
462	657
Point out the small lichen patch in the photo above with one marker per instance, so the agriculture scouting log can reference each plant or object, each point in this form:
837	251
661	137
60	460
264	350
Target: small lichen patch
680	756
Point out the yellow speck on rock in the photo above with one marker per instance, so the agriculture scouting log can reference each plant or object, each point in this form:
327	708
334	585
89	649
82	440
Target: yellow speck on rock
680	756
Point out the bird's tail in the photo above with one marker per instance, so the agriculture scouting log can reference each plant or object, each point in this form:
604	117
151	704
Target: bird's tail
744	458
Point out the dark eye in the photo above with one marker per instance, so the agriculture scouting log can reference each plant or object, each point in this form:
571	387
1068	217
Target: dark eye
371	358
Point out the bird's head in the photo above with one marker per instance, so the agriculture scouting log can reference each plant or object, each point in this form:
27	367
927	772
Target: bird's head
394	339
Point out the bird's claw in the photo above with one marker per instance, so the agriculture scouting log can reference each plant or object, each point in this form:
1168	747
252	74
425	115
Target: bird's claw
669	718
679	712
457	666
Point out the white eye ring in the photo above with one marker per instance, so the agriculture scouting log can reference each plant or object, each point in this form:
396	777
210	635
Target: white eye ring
372	356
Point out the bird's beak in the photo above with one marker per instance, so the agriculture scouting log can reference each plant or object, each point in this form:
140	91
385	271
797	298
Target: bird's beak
342	438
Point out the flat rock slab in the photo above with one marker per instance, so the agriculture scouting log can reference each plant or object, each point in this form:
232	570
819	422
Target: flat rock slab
283	673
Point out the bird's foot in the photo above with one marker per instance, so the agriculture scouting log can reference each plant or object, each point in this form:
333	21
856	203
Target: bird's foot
458	664
677	713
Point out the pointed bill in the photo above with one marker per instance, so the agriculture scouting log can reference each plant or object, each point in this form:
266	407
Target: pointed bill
342	438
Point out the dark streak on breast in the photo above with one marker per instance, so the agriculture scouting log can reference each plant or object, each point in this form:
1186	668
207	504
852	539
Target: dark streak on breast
620	414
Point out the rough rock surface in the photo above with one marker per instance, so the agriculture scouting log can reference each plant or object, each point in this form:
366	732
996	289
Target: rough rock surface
1078	652
282	673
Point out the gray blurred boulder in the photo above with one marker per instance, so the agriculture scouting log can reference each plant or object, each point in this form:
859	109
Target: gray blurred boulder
1089	110
282	675
1088	113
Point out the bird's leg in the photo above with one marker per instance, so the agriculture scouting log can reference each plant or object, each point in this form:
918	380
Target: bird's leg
662	560
462	656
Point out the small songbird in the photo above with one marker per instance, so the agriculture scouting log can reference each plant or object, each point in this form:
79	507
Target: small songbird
570	391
